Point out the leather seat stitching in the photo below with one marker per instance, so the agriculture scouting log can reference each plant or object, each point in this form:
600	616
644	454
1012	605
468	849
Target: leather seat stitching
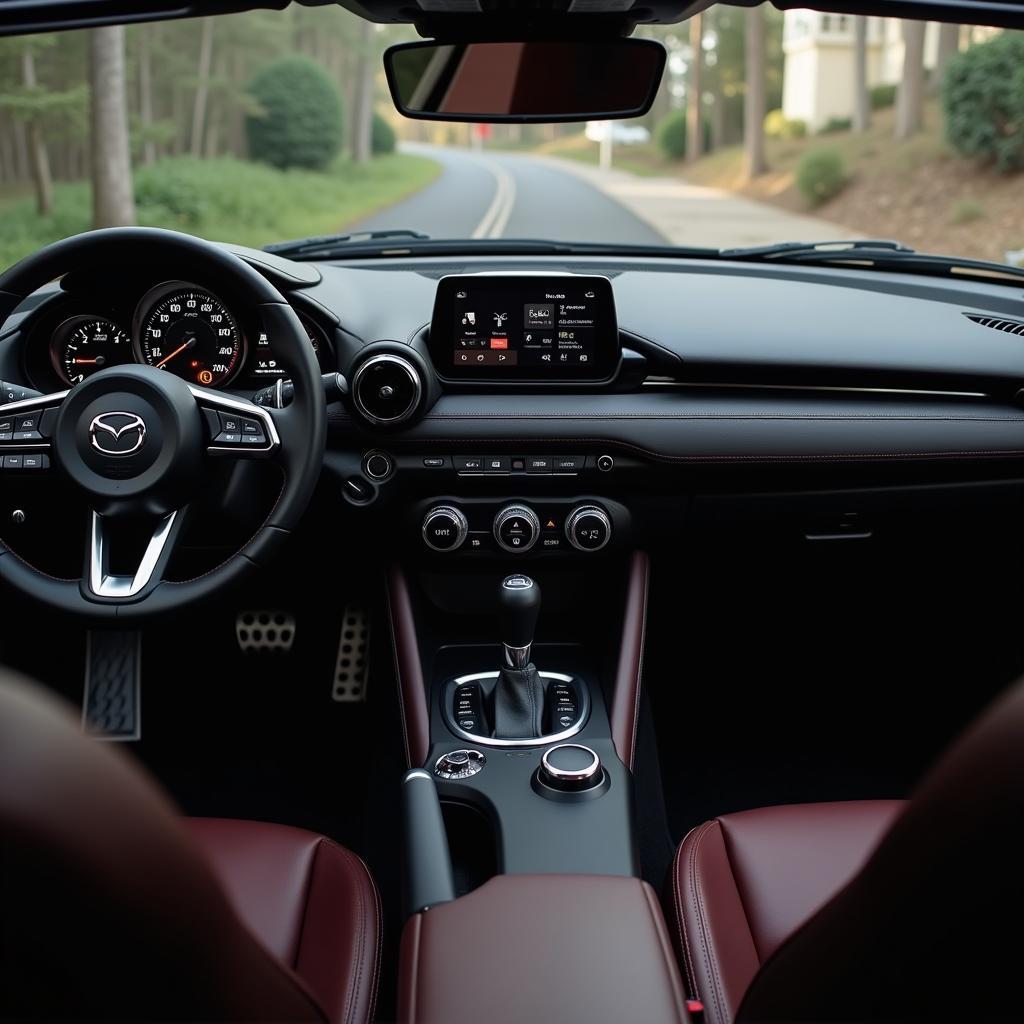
710	961
352	996
379	919
683	942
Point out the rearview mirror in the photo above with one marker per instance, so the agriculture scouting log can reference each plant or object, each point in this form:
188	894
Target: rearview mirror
592	80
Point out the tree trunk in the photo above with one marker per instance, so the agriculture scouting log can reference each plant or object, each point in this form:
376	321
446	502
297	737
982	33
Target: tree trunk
38	156
113	202
861	94
949	47
202	88
146	94
717	120
362	105
910	102
755	162
693	125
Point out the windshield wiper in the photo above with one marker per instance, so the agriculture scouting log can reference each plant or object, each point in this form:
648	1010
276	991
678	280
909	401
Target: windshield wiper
874	254
324	245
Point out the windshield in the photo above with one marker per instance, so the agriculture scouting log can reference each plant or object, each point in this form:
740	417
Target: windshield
264	126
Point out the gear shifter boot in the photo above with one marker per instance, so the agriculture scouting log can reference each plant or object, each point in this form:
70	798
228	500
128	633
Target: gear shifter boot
519	704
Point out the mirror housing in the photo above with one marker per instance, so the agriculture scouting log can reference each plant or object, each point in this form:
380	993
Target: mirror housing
539	81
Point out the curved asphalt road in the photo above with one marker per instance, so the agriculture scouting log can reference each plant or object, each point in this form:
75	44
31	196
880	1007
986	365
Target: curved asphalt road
506	195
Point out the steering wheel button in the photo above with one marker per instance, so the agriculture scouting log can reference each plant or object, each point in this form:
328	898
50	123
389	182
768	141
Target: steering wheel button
230	424
228	438
250	427
253	439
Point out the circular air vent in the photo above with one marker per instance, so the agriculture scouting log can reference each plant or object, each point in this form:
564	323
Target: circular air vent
387	389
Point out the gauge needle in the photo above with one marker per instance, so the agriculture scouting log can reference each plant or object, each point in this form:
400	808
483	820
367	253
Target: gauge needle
177	351
88	362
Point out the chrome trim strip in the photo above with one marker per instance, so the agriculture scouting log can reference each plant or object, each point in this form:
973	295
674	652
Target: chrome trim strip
123	587
566	774
416	773
55	398
583	712
669	382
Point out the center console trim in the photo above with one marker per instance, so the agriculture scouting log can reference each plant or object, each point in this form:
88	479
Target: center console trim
540	741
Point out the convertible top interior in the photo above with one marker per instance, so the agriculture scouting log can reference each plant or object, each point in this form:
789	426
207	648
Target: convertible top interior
505	630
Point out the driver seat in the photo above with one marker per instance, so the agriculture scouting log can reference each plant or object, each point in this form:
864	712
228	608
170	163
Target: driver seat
114	907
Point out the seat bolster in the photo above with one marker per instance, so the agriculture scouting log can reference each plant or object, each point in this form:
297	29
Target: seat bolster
714	935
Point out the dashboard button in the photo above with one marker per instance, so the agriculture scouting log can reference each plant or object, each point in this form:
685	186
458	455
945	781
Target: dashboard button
605	463
12	462
588	528
27	435
26	421
516	528
569	463
32	462
444	528
6	426
498	464
469	463
435	462
538	464
378	465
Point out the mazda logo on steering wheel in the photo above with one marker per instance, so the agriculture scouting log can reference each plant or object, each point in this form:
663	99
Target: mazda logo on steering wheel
117	433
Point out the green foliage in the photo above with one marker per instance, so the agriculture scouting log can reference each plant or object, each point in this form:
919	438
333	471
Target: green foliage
965	211
778	126
670	135
247	203
382	136
836	124
983	100
882	96
300	119
820	175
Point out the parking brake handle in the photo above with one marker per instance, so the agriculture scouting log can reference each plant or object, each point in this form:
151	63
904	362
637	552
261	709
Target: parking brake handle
428	860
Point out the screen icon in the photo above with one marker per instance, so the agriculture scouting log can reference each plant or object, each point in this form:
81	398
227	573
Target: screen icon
469	319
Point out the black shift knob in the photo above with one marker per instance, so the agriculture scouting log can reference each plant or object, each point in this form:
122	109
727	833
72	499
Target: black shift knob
518	608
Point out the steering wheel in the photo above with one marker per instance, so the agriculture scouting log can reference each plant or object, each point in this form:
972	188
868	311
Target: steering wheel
133	439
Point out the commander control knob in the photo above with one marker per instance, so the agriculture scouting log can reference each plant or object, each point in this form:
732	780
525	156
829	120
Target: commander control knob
516	528
444	528
588	528
570	768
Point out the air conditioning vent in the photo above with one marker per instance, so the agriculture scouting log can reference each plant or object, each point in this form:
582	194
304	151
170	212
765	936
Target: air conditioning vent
997	323
387	389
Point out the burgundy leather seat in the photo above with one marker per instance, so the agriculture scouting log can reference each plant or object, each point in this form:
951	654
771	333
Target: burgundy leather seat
114	907
743	883
864	911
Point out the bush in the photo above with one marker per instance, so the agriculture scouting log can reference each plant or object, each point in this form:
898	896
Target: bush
300	119
983	100
778	126
820	175
670	135
965	211
882	96
382	136
837	124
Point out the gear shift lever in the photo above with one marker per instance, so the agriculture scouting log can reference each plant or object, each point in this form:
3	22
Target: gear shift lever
519	693
519	603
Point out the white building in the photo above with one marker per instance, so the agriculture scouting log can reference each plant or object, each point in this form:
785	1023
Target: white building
818	77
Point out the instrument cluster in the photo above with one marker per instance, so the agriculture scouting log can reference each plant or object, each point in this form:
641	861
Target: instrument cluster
176	326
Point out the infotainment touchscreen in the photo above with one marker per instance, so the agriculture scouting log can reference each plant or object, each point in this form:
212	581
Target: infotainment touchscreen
525	327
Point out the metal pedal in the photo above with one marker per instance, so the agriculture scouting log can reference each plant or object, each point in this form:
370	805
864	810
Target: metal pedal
112	700
265	631
353	662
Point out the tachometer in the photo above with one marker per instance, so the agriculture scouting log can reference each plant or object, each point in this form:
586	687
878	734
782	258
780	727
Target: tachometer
190	332
83	345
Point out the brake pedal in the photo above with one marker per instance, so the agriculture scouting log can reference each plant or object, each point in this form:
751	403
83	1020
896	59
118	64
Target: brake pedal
111	701
353	662
265	631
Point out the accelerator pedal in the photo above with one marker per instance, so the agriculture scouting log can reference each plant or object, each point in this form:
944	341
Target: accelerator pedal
353	663
112	700
265	631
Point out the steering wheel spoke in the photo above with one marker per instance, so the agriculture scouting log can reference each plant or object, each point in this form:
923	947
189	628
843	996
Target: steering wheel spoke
110	537
26	430
236	427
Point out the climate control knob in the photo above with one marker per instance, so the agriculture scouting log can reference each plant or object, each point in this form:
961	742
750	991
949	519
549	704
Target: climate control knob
444	528
516	528
588	528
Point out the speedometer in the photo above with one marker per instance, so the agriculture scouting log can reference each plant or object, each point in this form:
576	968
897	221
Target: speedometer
191	333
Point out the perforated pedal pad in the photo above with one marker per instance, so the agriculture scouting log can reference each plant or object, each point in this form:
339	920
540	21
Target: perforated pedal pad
111	701
265	631
352	666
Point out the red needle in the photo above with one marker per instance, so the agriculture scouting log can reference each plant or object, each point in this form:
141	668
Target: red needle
84	362
179	349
